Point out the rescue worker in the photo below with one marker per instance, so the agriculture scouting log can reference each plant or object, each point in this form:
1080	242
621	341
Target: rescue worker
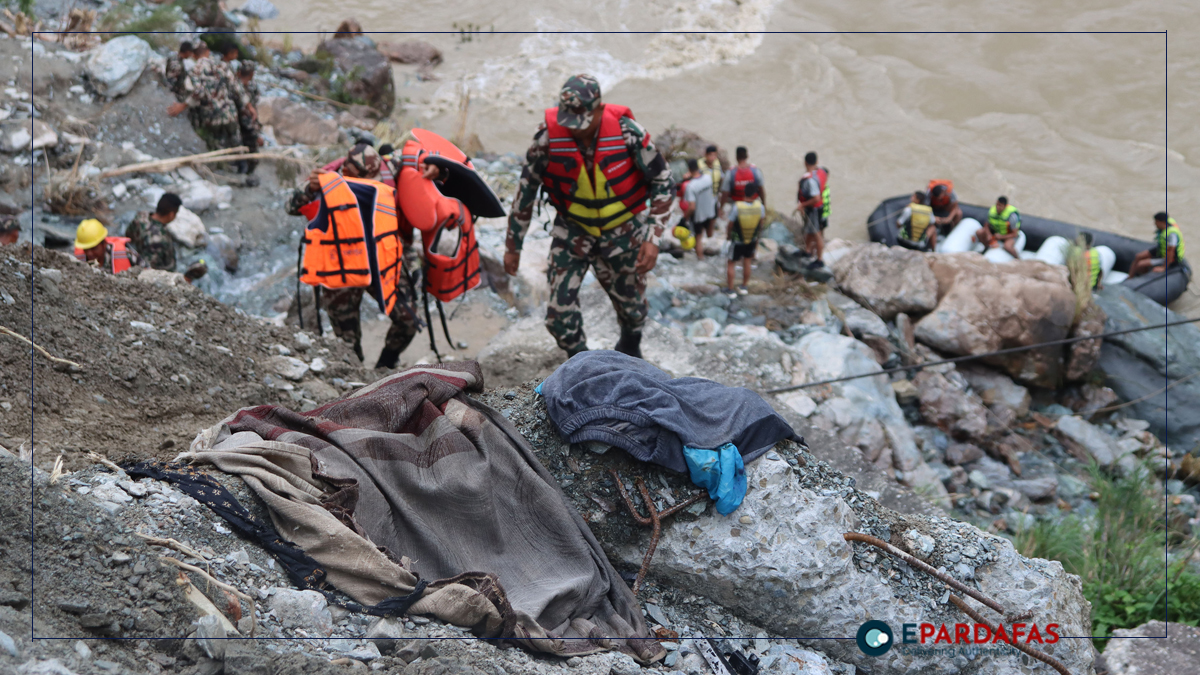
1003	226
248	122
613	193
1168	249
10	230
944	202
386	175
342	304
1092	258
701	198
175	70
709	166
147	232
733	185
745	226
211	102
813	195
916	225
95	247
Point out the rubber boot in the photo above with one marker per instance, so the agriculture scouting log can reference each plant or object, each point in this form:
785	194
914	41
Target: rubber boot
388	359
630	343
581	348
358	350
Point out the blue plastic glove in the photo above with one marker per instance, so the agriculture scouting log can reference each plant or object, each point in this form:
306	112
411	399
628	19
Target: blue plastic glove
538	389
722	472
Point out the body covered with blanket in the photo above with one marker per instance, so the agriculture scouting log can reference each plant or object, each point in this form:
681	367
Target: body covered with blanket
410	479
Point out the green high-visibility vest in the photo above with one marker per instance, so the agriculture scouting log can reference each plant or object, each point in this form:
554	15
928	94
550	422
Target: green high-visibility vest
1160	237
999	221
1093	258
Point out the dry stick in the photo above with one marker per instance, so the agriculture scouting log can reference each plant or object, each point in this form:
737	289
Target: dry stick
101	459
206	160
172	161
654	521
219	584
1044	658
945	578
11	333
173	544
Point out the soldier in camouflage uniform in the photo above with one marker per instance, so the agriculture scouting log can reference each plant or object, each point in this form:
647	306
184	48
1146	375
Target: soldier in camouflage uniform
621	256
342	304
248	115
212	101
175	73
148	233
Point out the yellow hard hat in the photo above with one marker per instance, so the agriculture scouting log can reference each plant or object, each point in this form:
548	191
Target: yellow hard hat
90	233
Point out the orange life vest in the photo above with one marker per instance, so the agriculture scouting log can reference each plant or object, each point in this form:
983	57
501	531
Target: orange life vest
353	239
116	253
446	224
935	183
612	193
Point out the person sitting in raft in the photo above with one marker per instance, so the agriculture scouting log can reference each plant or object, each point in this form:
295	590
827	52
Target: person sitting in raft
1003	225
944	201
914	223
1167	250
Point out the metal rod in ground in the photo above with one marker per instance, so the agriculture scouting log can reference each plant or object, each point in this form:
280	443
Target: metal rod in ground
1044	658
913	562
969	357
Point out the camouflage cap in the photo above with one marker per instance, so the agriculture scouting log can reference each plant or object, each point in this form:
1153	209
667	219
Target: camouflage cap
246	67
365	159
577	101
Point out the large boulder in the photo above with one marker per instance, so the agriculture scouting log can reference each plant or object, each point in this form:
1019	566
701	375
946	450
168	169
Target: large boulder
862	412
1177	646
366	73
886	280
946	403
984	307
780	561
116	65
294	122
1138	365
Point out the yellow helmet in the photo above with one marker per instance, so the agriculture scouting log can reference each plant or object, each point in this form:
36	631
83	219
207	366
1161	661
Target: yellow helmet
89	234
686	239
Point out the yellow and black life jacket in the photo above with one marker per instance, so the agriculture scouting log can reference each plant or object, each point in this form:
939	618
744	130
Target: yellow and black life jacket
749	219
919	222
353	241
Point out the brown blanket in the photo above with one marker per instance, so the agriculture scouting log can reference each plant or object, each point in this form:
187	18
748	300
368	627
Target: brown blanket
409	477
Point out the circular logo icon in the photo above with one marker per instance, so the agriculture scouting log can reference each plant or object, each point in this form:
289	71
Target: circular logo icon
874	638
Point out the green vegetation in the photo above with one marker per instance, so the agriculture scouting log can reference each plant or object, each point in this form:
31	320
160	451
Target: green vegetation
154	26
1077	266
23	6
1119	556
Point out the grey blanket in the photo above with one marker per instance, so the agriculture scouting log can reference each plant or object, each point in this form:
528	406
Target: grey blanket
409	477
624	401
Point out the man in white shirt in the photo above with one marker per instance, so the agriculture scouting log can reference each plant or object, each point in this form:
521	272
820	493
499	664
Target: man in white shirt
702	205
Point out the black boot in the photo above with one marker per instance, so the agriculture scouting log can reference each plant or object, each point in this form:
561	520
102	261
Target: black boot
630	343
581	348
388	359
358	350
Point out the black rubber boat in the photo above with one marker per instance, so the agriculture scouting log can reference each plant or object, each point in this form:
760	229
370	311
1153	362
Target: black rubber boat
1162	287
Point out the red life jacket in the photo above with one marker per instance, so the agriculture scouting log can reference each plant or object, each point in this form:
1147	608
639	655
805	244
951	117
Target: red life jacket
451	265
353	239
614	192
116	253
741	178
944	201
822	176
680	196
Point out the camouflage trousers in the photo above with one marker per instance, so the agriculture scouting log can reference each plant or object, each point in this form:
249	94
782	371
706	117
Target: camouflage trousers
219	136
249	138
342	305
613	258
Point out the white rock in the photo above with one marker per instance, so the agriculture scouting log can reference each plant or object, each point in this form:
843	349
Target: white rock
800	402
385	633
143	326
26	135
119	190
1099	445
318	365
704	328
188	229
303	341
735	330
210	636
263	9
116	65
920	545
307	610
290	367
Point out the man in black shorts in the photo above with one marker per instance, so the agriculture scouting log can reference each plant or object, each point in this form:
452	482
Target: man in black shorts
745	225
